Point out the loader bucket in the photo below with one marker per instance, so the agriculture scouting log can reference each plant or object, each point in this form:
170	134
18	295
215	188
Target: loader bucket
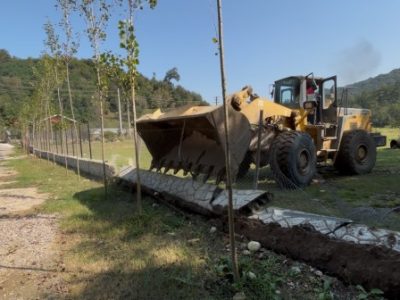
191	138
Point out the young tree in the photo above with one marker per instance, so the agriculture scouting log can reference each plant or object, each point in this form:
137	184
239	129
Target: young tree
129	43
43	88
113	69
69	48
53	45
96	14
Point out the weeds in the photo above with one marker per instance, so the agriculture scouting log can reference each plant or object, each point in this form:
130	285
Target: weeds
373	294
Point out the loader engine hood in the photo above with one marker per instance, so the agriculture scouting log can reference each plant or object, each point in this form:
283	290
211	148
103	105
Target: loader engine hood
192	139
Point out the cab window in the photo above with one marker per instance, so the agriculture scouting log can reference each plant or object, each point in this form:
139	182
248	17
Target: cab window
287	92
328	93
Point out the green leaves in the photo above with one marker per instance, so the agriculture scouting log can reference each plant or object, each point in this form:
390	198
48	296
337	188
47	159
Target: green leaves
130	44
372	294
172	74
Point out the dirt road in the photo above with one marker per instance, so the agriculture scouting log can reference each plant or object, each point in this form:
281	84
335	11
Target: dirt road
30	259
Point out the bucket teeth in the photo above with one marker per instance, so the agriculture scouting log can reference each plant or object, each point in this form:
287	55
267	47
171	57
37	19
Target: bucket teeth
177	168
198	169
208	173
187	168
160	165
194	134
220	176
168	166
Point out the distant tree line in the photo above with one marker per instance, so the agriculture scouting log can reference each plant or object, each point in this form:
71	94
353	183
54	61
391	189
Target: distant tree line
384	103
17	86
380	94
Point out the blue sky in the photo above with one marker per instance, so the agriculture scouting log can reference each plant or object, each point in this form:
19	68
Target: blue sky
264	39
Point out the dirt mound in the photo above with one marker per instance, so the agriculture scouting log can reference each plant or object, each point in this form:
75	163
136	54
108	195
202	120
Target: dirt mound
370	266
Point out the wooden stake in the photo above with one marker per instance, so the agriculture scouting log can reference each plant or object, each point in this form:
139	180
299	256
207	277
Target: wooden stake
119	112
258	154
135	140
231	217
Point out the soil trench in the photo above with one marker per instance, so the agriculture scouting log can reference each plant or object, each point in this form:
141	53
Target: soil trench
369	266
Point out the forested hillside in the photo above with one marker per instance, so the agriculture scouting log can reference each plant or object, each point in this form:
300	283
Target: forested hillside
381	94
17	86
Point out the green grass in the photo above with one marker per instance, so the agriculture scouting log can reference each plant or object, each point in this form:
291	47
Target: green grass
116	253
119	153
341	195
110	252
337	195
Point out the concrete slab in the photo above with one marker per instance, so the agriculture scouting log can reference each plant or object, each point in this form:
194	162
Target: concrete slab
93	167
211	198
204	195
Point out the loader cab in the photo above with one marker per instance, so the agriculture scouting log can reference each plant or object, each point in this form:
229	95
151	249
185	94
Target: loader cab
287	92
296	92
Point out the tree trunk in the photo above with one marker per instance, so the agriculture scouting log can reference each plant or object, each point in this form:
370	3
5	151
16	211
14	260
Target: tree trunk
73	117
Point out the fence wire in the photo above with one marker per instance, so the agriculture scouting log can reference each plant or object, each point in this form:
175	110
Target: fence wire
329	193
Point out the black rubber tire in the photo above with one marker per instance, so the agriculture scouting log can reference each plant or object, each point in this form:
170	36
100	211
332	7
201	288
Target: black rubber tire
357	153
293	159
394	144
244	165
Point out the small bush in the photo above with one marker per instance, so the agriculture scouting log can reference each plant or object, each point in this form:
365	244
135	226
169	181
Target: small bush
110	136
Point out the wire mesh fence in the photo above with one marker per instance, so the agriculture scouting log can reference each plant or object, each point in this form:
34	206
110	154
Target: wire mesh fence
365	199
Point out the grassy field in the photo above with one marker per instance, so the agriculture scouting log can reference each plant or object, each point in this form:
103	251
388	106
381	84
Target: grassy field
110	252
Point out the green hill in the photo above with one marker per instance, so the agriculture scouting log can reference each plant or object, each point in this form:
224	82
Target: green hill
16	88
381	94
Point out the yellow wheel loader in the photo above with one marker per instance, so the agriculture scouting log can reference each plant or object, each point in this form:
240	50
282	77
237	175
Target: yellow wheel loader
395	144
302	126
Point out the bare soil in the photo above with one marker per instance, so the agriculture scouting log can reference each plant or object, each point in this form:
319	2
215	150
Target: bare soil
30	260
370	266
18	200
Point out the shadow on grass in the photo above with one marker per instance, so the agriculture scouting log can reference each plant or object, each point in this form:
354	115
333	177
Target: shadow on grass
118	212
150	283
138	257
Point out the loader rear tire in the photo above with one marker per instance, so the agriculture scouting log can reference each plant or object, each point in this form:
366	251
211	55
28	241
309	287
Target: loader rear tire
394	144
293	159
357	153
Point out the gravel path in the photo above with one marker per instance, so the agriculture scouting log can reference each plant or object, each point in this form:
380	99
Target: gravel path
30	260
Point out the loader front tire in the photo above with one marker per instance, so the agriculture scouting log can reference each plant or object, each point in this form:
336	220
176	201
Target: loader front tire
293	159
357	153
